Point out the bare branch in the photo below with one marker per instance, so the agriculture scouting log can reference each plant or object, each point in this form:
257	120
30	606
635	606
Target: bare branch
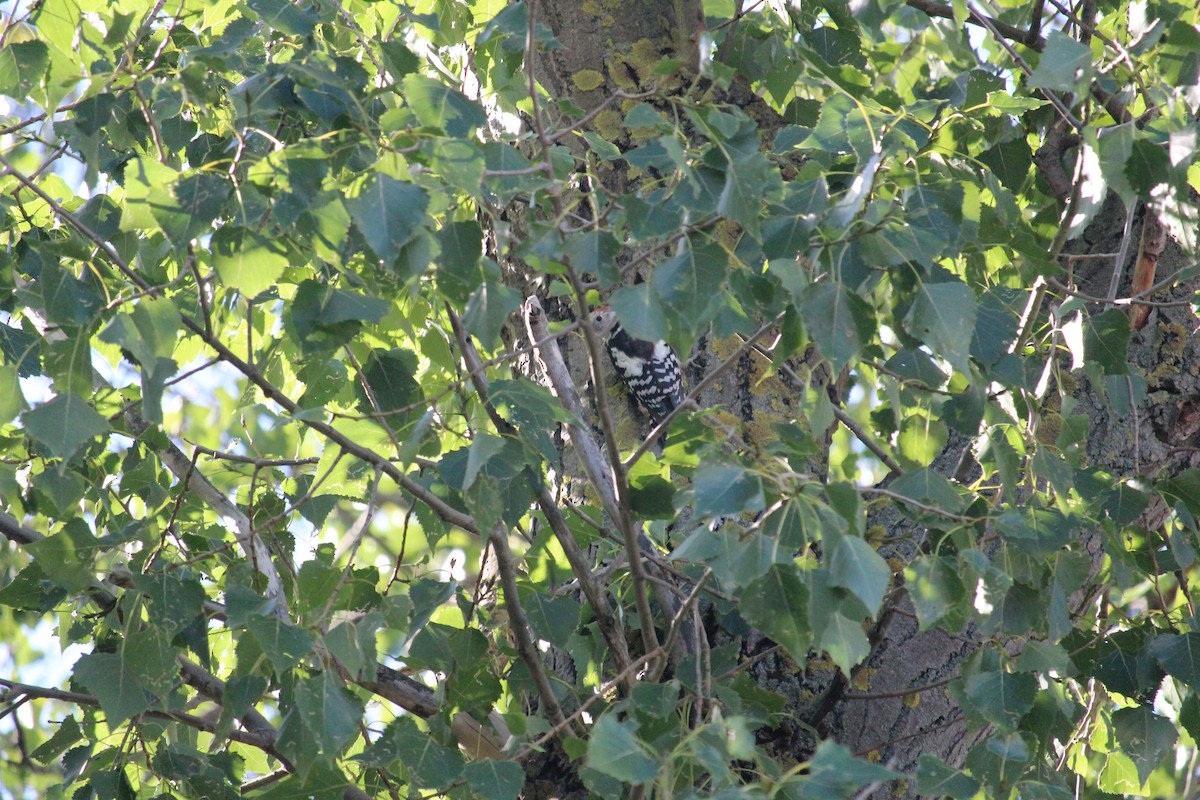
610	626
598	471
528	651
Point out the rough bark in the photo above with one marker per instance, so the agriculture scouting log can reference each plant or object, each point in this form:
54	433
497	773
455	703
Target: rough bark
607	48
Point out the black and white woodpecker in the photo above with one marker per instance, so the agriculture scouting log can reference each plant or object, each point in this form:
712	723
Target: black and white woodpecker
650	369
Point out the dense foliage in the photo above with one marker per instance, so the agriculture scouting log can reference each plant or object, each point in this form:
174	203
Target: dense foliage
293	503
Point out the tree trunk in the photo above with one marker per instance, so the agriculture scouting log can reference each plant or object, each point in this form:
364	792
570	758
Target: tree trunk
897	704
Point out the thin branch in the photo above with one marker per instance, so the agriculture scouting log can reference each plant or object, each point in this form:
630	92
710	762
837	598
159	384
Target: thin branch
1002	40
901	692
598	471
257	463
946	11
628	673
443	509
213	688
867	440
227	511
677	623
610	626
941	512
519	626
266	744
1035	23
15	532
1119	267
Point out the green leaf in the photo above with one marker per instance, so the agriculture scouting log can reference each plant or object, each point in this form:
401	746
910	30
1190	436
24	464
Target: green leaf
247	261
928	487
461	246
845	642
64	425
615	751
175	600
495	780
199	198
856	566
640	313
835	772
777	605
1148	167
748	176
690	283
391	374
22	68
31	589
353	644
68	733
313	780
553	619
843	126
387	213
285	17
941	315
284	645
67	558
483	447
127	682
595	253
1115	152
150	331
1010	161
935	588
328	712
1045	657
726	489
937	778
526	403
1179	656
1145	737
1184	488
1106	341
342	306
429	763
837	319
488	309
439	106
398	59
66	299
1119	775
1002	697
1065	65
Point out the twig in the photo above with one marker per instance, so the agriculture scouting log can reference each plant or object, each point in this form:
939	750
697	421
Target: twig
677	622
845	419
266	744
1150	248
1119	267
1000	38
528	651
625	674
941	512
598	472
610	626
899	693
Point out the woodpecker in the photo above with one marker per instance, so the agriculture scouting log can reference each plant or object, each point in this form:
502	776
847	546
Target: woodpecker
649	369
